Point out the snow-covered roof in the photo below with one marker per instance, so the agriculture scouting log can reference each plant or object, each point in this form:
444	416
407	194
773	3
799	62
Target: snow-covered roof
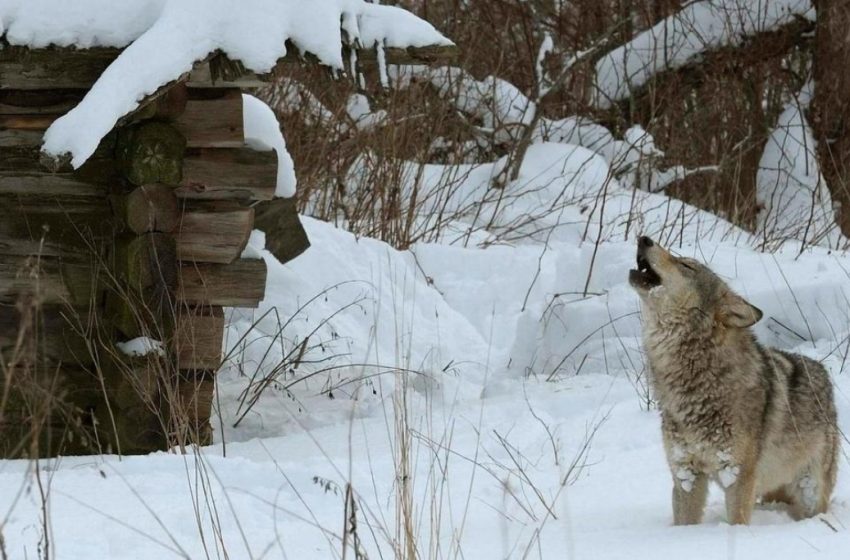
162	39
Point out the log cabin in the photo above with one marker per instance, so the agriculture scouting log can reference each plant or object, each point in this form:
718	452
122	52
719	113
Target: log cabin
118	262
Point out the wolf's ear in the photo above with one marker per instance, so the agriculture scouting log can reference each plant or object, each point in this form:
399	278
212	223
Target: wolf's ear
736	312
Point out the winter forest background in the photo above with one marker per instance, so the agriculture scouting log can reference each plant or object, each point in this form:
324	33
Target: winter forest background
453	369
711	102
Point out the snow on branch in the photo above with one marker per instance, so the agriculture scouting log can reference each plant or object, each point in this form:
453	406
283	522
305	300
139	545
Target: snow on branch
504	112
681	38
795	203
164	38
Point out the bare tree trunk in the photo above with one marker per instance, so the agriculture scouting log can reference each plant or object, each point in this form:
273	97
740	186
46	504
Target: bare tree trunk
830	113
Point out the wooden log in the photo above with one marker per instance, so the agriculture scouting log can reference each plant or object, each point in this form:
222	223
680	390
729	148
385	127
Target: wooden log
135	380
239	284
22	154
212	119
431	54
146	261
39	122
49	336
150	152
16	138
213	233
53	67
285	235
52	215
39	102
46	281
198	338
193	406
149	208
210	174
139	430
170	104
36	185
141	299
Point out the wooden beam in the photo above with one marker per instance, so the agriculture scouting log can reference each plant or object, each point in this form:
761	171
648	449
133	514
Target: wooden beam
239	284
192	406
140	301
38	102
215	174
148	209
213	233
212	119
53	67
52	214
285	235
147	261
54	335
198	338
45	280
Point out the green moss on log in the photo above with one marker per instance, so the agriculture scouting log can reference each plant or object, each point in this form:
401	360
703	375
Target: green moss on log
151	152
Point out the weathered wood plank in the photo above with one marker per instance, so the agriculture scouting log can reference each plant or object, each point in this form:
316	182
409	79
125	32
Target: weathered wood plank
38	102
26	122
193	406
13	138
52	335
53	68
198	338
213	232
212	119
34	185
20	152
147	261
147	209
52	215
140	299
239	284
215	174
45	280
285	235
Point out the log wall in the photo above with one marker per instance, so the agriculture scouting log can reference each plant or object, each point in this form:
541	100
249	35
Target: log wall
144	240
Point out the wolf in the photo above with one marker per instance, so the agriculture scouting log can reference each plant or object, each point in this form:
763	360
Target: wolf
759	421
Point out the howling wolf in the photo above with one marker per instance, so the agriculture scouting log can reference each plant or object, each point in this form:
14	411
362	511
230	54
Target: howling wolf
759	421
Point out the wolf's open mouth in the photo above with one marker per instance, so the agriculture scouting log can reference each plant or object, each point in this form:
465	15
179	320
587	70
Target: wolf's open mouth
644	276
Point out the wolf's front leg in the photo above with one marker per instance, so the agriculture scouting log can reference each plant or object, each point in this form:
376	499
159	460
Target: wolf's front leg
740	492
690	491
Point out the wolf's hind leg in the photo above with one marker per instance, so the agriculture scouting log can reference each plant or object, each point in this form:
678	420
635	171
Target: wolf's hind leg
805	490
689	496
812	488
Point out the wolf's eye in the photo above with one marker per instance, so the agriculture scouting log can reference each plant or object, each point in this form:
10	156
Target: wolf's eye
686	265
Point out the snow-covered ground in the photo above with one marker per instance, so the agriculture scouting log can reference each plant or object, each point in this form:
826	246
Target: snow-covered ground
490	401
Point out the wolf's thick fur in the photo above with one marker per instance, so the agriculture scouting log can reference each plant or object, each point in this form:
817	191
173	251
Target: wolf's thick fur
759	421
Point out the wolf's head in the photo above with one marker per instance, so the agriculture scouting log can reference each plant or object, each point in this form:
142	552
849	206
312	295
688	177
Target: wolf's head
674	286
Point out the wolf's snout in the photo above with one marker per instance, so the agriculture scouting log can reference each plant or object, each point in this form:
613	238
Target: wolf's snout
644	242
